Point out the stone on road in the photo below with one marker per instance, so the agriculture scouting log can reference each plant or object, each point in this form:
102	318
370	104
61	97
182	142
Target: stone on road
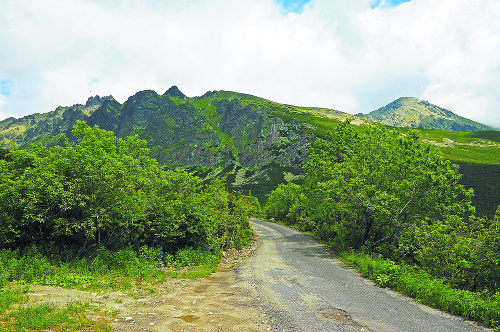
303	288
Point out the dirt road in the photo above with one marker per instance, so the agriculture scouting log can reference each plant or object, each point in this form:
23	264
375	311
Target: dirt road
290	283
220	302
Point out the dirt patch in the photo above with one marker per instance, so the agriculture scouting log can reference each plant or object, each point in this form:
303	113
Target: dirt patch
214	303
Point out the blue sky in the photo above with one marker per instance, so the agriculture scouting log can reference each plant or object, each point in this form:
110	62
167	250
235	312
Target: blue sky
294	6
350	55
6	87
297	6
387	3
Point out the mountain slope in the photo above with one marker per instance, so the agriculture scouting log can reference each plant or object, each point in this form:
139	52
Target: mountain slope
258	142
416	113
254	142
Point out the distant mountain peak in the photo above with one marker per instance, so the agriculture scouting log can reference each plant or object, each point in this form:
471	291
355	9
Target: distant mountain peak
417	113
174	91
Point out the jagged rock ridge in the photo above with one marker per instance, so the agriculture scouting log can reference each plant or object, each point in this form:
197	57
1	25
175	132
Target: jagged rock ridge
218	132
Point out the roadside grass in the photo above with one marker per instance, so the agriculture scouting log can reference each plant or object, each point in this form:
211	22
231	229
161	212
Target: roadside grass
104	269
125	270
480	307
16	314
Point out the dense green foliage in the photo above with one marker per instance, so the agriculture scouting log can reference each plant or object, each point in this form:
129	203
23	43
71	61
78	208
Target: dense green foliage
388	193
366	188
485	179
236	132
103	269
104	192
98	213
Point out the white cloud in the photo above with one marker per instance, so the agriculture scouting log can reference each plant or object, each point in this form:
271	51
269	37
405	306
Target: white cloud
2	102
339	54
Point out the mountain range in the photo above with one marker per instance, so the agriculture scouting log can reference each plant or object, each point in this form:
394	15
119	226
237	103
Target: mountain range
255	142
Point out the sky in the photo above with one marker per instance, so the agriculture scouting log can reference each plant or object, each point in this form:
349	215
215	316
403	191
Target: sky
354	56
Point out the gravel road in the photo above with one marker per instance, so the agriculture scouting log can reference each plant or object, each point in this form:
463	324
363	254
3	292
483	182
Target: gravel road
303	288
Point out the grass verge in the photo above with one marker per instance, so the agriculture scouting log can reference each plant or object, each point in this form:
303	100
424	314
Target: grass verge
480	307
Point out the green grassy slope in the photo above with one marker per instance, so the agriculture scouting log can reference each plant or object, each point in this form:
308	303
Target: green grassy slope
415	113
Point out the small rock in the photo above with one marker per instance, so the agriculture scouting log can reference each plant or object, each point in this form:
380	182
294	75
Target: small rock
128	318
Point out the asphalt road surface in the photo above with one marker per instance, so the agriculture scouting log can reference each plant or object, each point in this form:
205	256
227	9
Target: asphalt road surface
301	287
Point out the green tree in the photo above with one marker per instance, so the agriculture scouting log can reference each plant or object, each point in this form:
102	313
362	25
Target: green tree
366	188
284	203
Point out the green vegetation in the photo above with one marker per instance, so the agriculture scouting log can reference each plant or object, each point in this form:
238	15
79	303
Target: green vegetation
485	179
472	147
98	213
416	113
383	193
103	270
224	128
75	317
101	191
437	293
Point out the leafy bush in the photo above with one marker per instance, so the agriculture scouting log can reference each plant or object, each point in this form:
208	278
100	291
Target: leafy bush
284	203
466	254
366	188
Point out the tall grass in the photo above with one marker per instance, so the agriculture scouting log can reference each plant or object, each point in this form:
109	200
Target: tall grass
481	307
122	268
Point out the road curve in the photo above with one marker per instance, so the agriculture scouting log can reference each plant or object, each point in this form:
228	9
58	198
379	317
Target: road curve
303	288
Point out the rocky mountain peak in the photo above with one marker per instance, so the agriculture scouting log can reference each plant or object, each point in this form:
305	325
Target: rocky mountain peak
174	91
417	113
93	101
97	101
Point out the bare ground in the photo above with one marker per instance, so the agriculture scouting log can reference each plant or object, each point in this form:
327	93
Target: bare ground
215	303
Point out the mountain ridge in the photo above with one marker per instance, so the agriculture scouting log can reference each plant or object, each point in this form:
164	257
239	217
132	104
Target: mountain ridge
255	143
